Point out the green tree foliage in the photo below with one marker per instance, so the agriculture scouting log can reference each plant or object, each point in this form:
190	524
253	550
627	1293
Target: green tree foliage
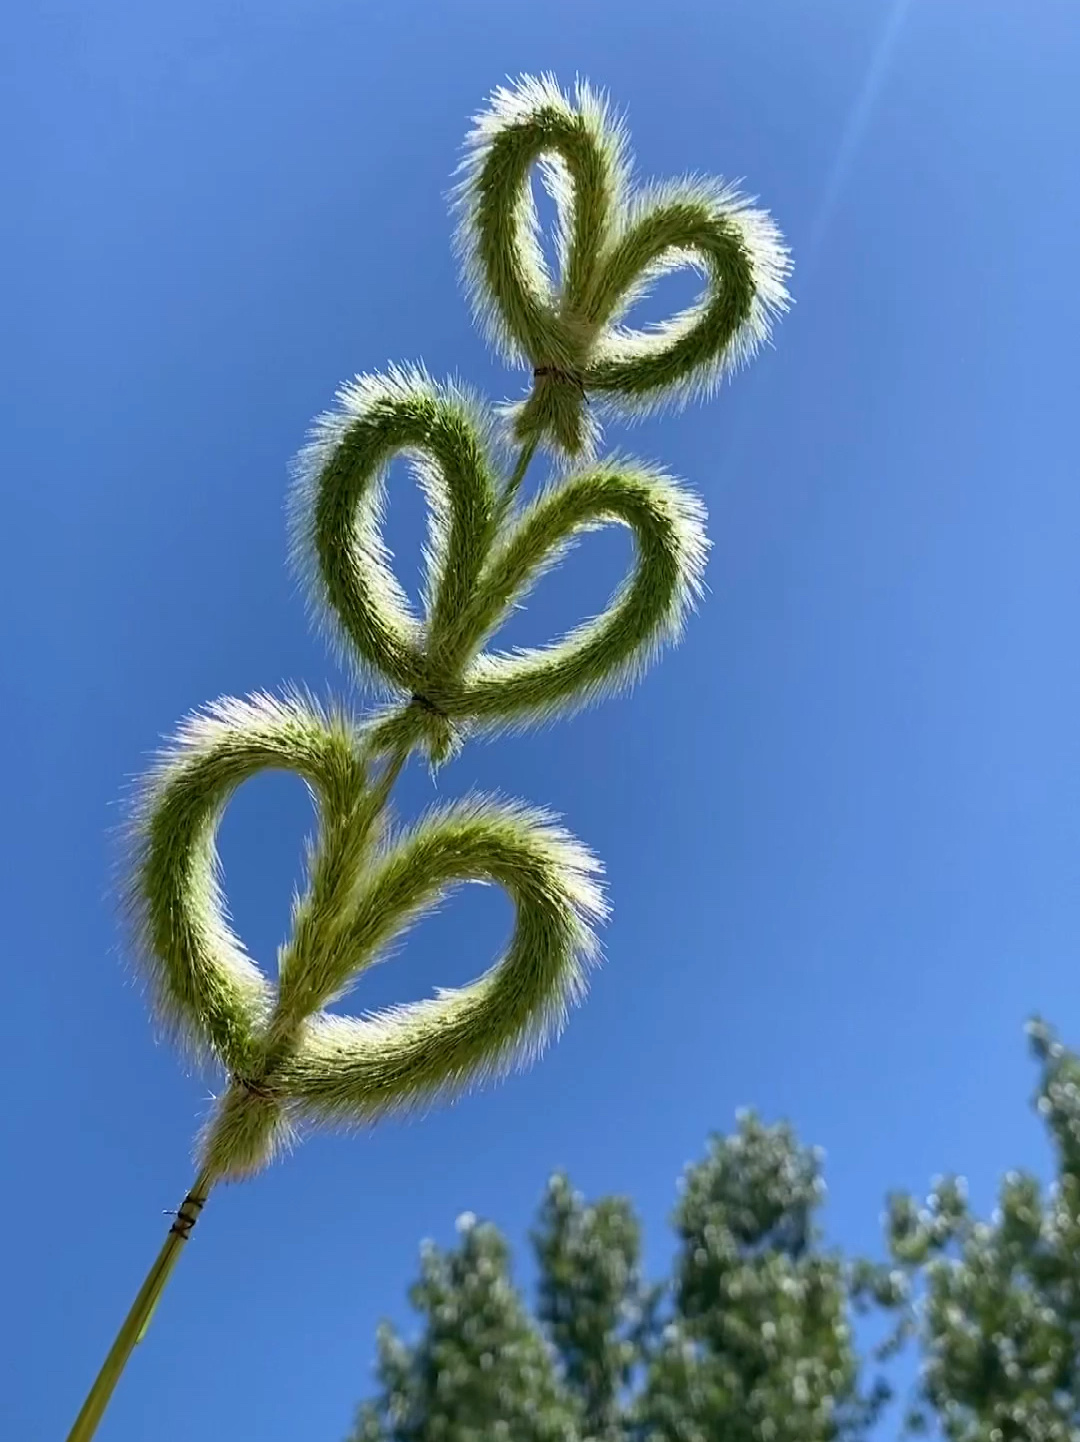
994	1306
592	1301
759	1344
752	1339
481	1369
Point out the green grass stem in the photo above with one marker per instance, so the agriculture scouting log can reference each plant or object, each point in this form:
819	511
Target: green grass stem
142	1310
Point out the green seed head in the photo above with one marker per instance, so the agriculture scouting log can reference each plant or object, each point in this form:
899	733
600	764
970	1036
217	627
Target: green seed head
612	245
288	1060
480	562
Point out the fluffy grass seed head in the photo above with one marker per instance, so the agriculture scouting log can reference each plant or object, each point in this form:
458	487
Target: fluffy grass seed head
287	1060
480	562
611	246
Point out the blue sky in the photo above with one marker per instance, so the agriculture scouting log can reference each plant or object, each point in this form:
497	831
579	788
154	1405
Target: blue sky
840	823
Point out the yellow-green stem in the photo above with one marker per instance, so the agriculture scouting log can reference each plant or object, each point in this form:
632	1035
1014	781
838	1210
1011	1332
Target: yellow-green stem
512	486
390	774
142	1310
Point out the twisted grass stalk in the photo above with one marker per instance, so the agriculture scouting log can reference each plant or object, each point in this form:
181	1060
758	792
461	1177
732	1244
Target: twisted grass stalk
289	1060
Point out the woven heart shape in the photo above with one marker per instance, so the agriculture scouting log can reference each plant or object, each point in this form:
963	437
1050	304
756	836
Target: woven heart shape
287	1059
611	246
481	560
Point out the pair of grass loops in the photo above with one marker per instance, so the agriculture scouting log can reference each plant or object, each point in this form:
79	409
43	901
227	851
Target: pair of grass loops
291	1061
612	243
480	563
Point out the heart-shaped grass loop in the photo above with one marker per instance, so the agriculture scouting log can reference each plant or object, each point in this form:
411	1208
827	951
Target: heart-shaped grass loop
481	560
611	245
287	1059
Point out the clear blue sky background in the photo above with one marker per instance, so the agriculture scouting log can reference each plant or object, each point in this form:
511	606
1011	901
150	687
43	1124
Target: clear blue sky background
840	823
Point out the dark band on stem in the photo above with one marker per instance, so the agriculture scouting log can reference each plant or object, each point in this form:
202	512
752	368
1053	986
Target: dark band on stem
421	703
187	1215
557	374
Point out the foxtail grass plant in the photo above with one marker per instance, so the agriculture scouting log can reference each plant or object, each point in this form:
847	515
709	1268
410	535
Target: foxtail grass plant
438	675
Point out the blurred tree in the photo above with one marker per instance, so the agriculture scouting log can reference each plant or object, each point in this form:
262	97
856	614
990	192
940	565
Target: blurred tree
759	1342
481	1370
994	1307
751	1340
592	1301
